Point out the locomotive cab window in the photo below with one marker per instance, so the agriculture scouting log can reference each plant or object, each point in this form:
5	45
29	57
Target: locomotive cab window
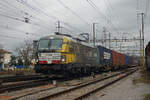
50	44
56	44
43	44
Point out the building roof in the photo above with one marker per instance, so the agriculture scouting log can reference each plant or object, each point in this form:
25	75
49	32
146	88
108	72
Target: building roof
2	51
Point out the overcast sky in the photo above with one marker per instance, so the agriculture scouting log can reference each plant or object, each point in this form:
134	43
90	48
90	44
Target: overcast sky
76	16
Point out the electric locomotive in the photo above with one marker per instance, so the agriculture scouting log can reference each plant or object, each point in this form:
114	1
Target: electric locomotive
61	54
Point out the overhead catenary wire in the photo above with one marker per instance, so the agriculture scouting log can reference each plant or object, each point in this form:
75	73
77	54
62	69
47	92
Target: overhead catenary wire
101	14
17	30
6	8
11	17
7	27
35	9
38	10
11	37
97	9
24	14
92	4
70	32
147	8
12	34
22	20
73	12
55	18
72	27
19	19
110	5
111	11
17	11
108	9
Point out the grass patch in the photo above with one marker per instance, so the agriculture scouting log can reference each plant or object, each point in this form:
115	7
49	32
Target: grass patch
147	97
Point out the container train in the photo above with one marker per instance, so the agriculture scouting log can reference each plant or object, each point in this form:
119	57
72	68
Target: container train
147	56
63	54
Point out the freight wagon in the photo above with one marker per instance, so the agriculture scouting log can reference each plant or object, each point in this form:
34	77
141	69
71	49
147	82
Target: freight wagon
105	58
118	60
133	61
112	60
128	60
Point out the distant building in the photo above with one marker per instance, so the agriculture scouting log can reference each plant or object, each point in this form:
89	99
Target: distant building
5	56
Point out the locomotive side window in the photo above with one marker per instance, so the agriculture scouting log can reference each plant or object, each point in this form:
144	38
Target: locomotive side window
77	48
71	48
95	54
90	53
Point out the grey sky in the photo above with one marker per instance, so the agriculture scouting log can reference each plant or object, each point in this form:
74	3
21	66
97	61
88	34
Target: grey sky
77	17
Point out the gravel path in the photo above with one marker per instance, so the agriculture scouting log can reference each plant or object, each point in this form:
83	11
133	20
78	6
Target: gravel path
123	90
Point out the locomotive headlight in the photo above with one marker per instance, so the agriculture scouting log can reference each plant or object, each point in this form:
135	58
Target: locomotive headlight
37	60
63	58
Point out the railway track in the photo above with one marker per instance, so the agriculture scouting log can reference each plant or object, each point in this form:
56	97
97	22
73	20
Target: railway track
55	94
58	88
14	86
19	78
85	90
22	85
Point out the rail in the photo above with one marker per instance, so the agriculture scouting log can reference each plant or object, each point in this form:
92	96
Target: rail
81	86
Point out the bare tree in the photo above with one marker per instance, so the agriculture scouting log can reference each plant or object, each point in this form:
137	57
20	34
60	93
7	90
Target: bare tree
25	52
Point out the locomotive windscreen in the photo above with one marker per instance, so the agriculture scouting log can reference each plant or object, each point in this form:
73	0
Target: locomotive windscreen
50	44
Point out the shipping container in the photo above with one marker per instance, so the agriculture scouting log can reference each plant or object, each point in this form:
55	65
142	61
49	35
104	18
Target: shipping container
122	56
132	60
105	56
118	59
0	67
19	66
128	60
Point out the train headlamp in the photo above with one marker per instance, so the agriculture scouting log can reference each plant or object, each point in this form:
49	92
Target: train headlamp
63	58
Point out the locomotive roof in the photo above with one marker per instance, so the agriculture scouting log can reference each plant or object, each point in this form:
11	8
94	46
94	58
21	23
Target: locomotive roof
54	36
69	38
